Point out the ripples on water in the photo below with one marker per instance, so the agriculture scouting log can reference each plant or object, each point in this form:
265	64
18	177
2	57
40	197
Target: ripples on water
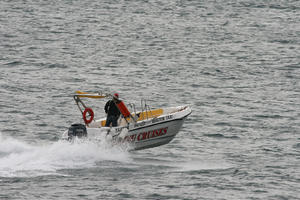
235	62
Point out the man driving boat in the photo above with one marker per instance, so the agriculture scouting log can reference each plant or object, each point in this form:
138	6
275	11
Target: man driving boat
112	111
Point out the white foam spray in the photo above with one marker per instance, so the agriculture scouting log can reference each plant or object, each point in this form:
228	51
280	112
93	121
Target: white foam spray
18	158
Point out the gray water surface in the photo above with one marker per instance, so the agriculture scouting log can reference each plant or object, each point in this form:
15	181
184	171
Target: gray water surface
236	63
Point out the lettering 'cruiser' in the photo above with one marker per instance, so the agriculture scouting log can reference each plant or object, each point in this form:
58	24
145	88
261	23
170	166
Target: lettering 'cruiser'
146	135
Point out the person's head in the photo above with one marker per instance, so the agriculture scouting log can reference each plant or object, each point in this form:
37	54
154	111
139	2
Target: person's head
116	96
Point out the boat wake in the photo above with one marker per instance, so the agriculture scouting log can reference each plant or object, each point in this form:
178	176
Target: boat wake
21	159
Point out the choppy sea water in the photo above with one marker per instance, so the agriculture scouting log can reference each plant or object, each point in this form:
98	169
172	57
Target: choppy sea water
236	63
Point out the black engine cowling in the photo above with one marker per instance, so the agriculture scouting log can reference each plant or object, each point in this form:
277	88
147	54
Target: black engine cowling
78	130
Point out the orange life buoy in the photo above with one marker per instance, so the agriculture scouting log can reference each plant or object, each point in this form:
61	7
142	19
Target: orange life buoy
91	113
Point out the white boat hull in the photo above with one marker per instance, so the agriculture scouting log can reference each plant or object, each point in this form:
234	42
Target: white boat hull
153	135
146	133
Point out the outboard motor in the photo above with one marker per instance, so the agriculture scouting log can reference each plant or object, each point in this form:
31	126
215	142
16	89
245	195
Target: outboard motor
78	130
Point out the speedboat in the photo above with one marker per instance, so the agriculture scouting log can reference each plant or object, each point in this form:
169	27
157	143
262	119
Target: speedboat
142	129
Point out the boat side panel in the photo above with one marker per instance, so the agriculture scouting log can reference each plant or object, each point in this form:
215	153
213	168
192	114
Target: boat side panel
154	135
149	133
